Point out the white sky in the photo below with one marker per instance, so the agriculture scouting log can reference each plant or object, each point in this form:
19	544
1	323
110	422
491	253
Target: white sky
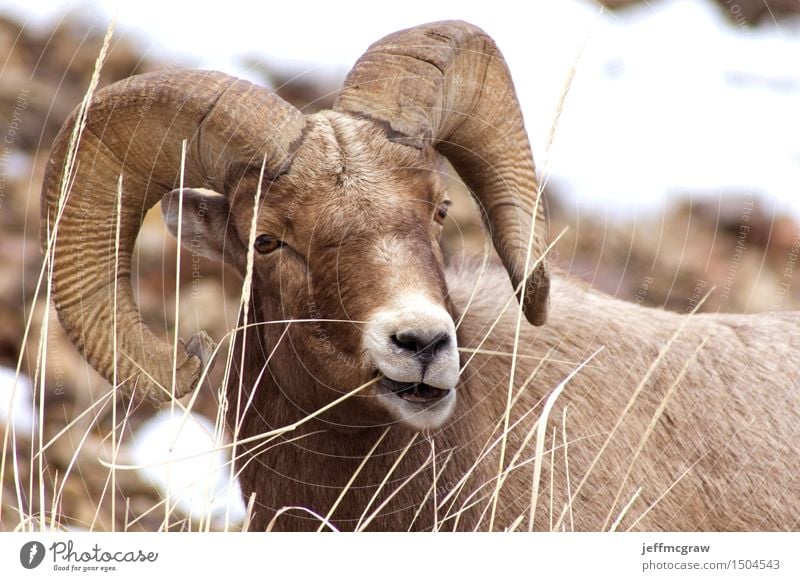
667	97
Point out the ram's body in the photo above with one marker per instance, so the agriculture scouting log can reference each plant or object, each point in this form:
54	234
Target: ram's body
722	453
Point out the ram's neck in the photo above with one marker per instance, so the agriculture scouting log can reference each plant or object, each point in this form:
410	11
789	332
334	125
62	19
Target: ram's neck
312	464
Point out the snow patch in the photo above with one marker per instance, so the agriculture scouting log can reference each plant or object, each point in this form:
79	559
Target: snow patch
183	460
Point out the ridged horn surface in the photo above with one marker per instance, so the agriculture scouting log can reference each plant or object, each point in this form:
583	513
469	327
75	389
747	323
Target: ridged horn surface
447	83
135	129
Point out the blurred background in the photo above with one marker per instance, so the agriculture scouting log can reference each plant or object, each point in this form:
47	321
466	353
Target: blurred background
671	164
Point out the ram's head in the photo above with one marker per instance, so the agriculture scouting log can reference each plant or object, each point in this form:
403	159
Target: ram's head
348	209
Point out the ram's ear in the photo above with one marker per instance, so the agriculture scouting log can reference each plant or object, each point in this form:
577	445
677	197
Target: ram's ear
206	229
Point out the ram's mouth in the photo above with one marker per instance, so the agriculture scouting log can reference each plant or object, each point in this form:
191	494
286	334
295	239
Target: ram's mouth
419	393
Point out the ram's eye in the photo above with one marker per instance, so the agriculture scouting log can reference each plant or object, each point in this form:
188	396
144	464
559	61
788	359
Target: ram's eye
441	211
265	244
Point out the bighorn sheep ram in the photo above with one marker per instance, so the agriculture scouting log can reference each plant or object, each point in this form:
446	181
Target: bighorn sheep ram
677	423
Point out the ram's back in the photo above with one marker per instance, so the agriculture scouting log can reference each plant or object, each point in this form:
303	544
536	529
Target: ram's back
691	420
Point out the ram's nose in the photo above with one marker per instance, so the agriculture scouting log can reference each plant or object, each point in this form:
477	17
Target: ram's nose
421	344
414	342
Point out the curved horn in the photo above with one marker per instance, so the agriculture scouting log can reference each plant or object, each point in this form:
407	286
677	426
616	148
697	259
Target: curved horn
448	83
135	129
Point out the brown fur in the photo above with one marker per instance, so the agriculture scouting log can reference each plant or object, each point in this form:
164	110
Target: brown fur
722	454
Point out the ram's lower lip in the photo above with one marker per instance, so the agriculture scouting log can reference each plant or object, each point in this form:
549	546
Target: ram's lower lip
418	393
